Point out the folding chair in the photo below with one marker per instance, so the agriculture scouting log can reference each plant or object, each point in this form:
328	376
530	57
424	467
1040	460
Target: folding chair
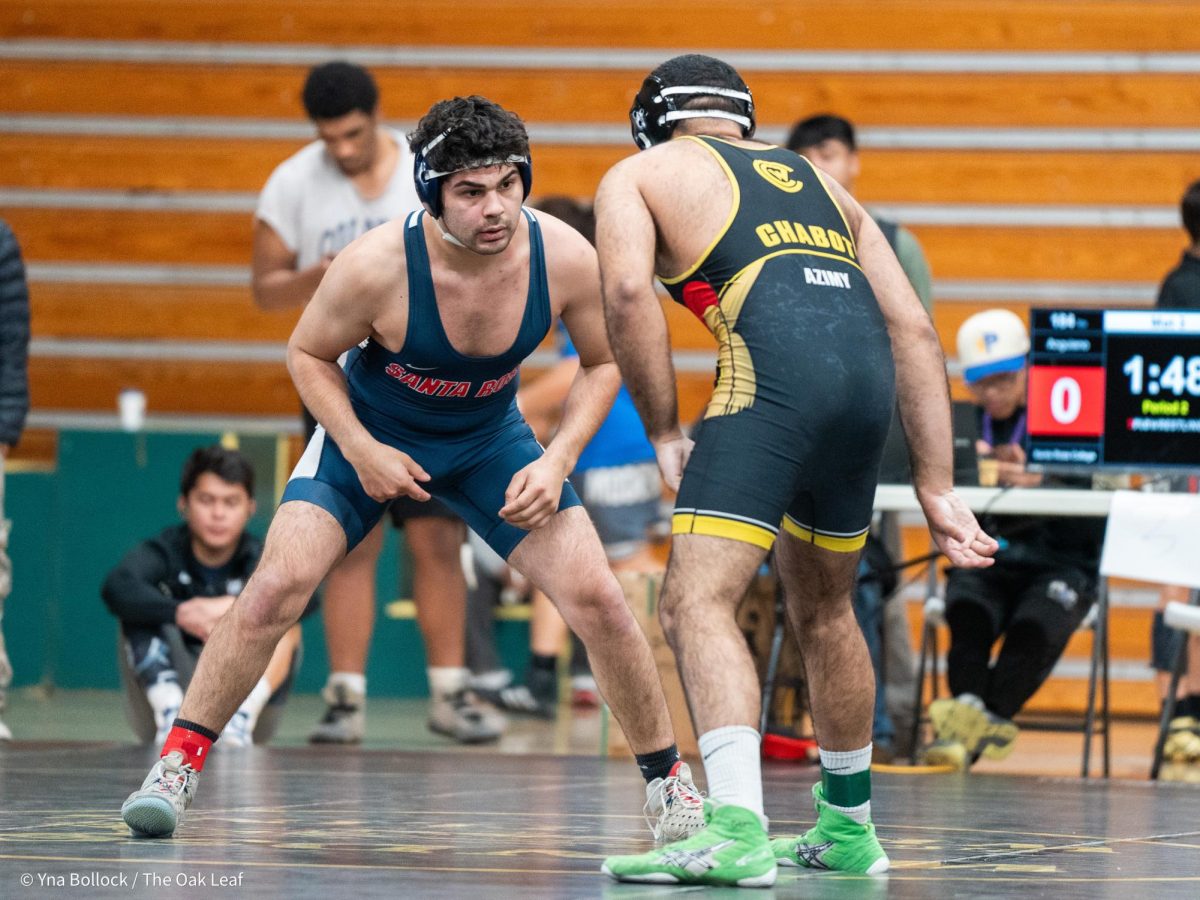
1097	718
1185	618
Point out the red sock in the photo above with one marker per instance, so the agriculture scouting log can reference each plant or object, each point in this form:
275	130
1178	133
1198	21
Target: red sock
192	740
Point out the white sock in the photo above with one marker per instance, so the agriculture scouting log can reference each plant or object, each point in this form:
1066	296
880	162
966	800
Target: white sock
848	762
356	682
253	705
446	680
492	680
733	766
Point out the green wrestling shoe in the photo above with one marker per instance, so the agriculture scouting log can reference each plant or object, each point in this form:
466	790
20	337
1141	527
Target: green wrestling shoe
836	843
732	850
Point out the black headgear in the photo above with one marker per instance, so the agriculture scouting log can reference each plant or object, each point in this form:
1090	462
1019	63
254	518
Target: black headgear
657	106
429	182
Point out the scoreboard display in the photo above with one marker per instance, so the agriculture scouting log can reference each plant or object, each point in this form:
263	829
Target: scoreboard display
1117	389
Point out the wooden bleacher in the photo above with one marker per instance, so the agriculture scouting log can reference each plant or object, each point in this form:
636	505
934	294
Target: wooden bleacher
1153	25
74	158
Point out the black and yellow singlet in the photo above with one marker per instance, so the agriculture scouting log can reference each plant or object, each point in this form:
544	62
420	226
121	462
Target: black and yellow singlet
804	391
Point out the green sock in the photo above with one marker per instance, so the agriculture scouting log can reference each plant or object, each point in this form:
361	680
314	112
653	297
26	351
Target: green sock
846	782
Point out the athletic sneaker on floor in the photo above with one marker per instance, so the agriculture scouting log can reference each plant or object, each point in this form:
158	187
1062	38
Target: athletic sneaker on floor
965	719
836	843
947	753
345	719
537	697
156	808
731	850
1183	740
462	717
674	808
239	732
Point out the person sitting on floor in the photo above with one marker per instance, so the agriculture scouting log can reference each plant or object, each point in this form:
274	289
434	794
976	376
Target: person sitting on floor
184	579
1044	579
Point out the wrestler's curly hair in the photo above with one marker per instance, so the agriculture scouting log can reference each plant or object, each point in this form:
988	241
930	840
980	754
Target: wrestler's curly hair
475	127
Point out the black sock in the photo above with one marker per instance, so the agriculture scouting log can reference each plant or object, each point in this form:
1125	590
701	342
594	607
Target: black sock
657	764
544	663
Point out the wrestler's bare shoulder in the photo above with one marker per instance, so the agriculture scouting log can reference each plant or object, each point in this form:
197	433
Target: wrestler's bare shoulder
568	253
372	260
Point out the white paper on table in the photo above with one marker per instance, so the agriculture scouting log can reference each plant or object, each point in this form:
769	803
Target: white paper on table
1153	537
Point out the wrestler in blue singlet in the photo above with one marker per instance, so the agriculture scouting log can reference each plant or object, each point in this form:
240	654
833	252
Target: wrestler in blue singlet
455	415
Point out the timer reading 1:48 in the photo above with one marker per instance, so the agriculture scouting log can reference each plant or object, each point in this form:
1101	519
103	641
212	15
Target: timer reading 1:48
1178	376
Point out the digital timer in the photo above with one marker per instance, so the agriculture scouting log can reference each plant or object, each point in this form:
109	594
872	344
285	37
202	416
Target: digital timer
1179	376
1115	388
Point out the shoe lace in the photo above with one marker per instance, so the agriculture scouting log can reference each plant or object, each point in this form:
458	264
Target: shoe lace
172	780
661	801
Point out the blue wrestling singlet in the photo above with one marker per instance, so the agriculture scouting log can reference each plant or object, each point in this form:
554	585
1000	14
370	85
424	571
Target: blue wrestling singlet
456	415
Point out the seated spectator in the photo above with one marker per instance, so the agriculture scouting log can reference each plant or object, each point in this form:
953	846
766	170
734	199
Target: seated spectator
1044	579
170	591
1181	290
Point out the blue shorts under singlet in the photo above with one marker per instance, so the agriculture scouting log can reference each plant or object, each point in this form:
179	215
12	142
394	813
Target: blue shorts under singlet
455	415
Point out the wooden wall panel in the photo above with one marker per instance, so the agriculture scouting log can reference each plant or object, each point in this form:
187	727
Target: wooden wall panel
158	312
954	252
78	162
770	24
1119	99
181	386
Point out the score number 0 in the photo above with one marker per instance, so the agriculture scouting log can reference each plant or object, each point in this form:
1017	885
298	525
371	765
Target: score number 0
1066	400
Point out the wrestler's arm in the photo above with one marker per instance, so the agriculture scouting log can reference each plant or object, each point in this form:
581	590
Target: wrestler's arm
921	389
574	278
594	386
340	316
637	326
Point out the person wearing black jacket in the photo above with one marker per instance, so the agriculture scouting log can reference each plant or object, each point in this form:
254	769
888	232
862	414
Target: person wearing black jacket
186	577
1044	579
14	404
1181	288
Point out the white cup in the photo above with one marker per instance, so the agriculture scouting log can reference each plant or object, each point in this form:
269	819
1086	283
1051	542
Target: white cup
131	405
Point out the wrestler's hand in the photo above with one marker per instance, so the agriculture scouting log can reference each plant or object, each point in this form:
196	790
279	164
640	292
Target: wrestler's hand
532	496
199	616
386	473
956	531
673	452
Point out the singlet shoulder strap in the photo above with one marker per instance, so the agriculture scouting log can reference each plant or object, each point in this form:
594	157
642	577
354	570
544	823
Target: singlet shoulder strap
422	301
537	309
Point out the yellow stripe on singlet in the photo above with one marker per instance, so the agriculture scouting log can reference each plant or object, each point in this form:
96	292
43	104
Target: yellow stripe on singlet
733	211
833	200
825	541
715	526
737	383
